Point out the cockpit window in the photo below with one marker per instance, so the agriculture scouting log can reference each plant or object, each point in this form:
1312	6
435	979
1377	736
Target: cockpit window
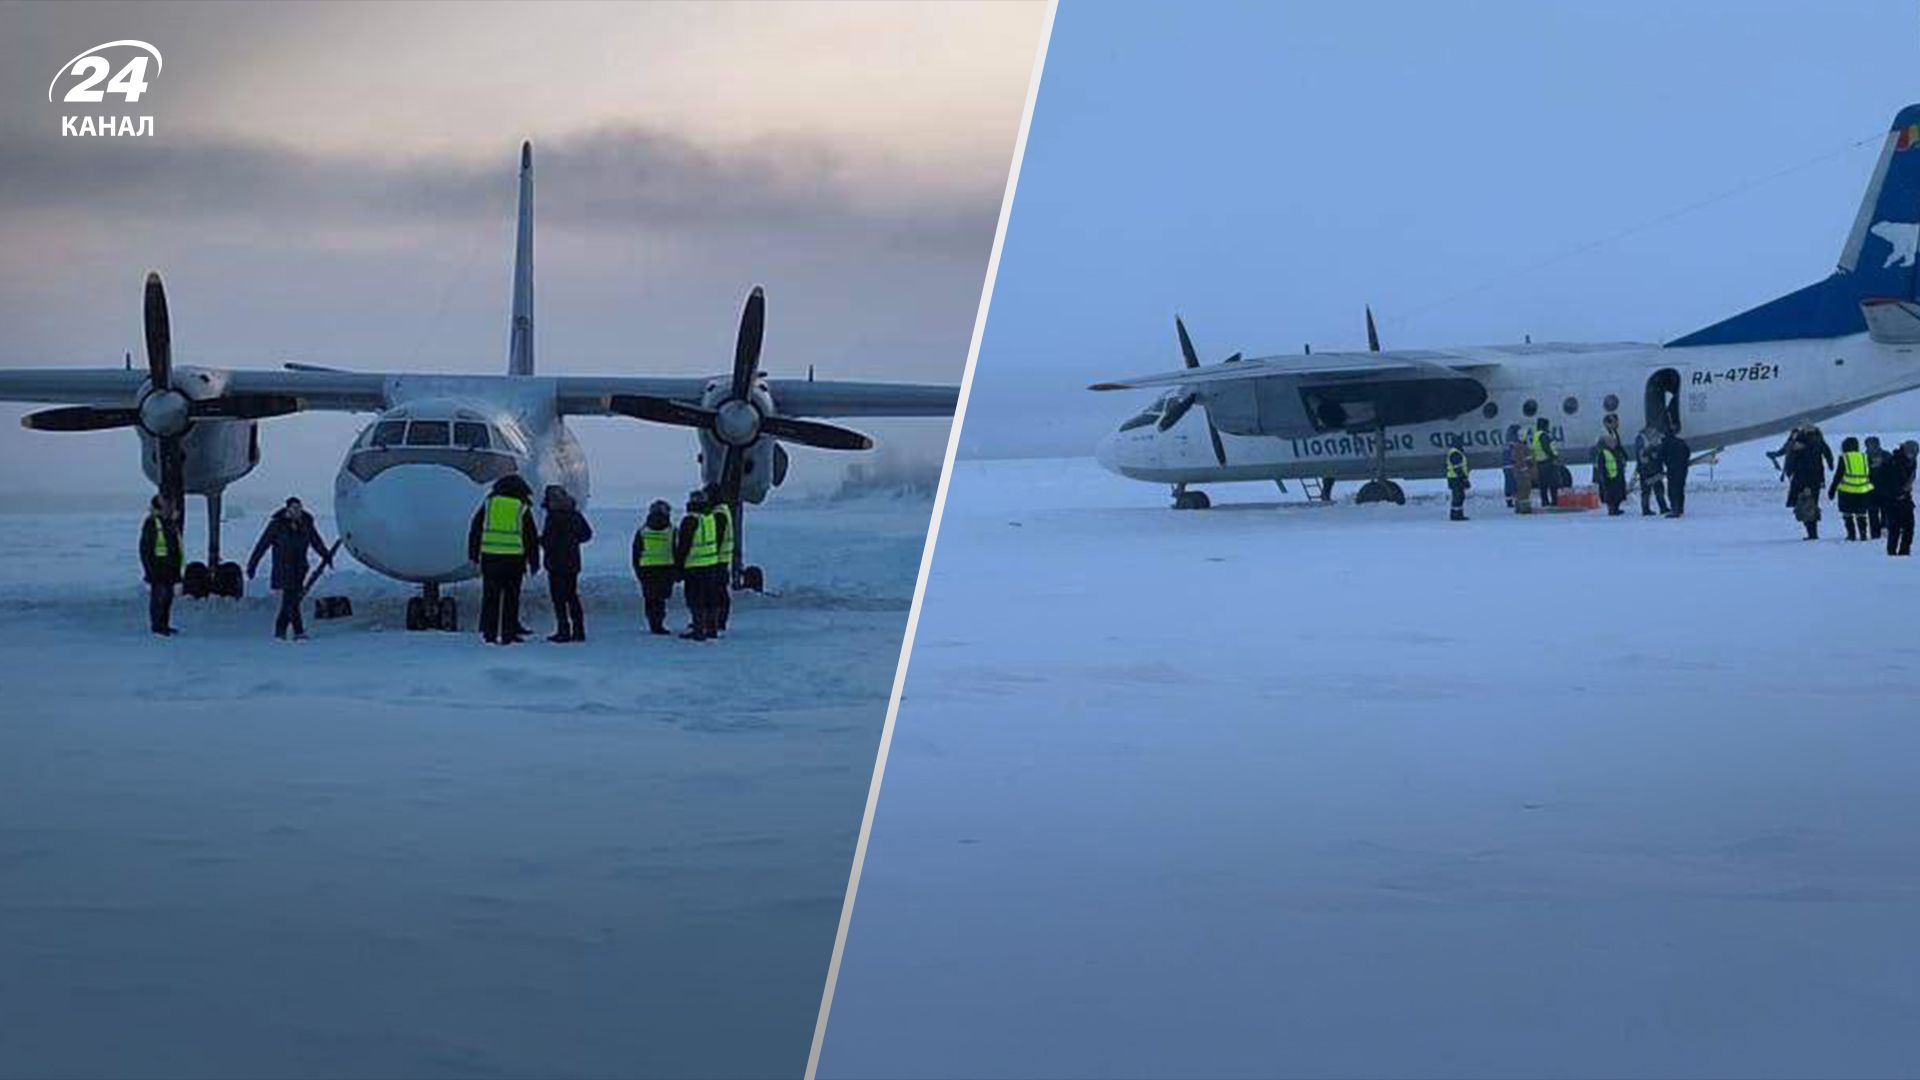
471	435
429	433
1149	415
388	433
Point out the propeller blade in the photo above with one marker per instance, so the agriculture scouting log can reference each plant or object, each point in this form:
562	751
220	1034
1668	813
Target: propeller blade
1186	343
746	350
80	418
244	407
159	334
661	410
1219	448
1373	334
173	475
814	433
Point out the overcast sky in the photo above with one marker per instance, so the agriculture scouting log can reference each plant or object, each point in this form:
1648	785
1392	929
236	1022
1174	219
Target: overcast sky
335	184
1267	169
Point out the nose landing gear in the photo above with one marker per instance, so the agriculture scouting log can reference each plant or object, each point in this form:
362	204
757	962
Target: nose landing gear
431	611
1189	500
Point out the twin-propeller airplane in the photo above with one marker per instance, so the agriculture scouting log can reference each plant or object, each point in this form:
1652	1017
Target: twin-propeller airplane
411	480
1831	347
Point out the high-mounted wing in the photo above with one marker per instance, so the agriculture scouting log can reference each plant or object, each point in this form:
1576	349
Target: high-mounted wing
1293	396
334	391
1306	365
590	395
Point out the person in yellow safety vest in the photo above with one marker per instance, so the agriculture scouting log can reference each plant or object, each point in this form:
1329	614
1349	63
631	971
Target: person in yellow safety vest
506	544
654	564
696	547
1546	463
1853	483
160	561
1457	483
729	543
1610	468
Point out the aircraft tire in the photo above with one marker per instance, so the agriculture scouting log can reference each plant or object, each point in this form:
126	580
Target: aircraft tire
416	613
196	581
448	616
229	581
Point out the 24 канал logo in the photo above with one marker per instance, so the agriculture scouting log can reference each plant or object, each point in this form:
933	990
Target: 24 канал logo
84	75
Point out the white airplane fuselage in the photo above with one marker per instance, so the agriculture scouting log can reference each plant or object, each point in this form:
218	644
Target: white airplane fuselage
408	488
1726	394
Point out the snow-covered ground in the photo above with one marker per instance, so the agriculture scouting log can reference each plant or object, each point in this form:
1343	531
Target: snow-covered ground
1289	789
390	854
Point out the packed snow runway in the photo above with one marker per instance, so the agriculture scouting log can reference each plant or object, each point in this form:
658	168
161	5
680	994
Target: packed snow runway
379	853
1305	790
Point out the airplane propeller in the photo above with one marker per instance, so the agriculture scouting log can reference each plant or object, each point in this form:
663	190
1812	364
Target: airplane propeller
737	421
164	411
1373	334
1179	409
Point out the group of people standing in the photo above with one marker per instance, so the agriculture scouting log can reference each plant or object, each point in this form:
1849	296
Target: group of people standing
508	544
1532	460
1872	485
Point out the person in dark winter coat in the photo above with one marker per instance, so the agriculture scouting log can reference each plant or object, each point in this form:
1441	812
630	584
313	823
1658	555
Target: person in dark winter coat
1853	486
290	534
1898	504
1877	459
1651	469
506	544
566	530
1806	470
1676	456
161	559
654	564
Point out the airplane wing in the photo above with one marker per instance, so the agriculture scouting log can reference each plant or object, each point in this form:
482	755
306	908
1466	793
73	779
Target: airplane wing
1331	366
589	395
333	391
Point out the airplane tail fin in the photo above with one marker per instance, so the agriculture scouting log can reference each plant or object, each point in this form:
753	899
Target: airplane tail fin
1877	262
520	342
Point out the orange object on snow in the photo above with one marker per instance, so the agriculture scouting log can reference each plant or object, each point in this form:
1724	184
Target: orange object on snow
1586	497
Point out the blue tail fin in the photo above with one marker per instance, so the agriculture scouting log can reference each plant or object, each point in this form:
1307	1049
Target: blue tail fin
1877	262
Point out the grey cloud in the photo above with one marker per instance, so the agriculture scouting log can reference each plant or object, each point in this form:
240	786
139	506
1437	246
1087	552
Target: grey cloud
611	178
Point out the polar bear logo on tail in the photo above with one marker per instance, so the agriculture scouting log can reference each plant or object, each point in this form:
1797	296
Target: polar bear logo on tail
1903	236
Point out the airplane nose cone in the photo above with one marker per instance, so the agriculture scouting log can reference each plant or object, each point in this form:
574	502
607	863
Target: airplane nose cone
1107	453
410	522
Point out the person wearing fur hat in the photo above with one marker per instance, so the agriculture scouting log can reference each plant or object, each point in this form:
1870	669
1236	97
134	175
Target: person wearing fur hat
565	531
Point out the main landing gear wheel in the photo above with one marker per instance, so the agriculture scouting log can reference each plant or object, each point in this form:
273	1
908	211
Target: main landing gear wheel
433	612
229	581
752	579
1191	500
196	581
1374	491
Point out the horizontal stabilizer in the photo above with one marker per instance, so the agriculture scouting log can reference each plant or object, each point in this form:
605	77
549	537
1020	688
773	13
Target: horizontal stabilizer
1892	322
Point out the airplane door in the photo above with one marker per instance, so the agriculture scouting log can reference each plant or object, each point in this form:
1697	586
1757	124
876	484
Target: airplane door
1663	400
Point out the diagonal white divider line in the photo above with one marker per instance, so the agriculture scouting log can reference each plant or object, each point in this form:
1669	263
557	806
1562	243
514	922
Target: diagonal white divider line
926	553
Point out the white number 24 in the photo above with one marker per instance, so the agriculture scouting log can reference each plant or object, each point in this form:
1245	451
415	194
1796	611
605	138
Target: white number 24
130	81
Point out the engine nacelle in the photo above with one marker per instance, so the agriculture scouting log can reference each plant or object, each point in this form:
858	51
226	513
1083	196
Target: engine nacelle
765	466
766	461
217	453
